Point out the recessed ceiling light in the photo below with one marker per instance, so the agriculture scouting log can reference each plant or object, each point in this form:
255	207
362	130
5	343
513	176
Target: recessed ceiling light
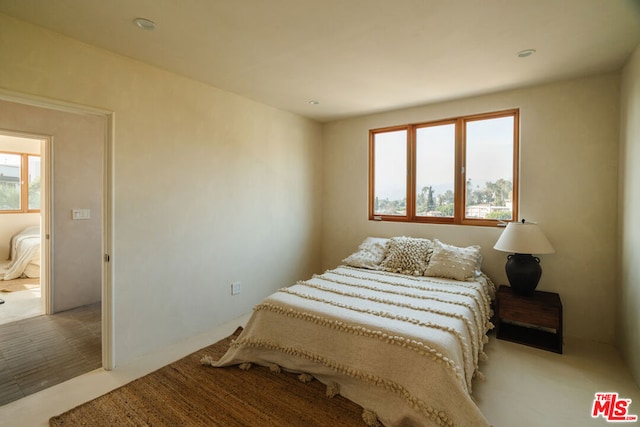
314	102
145	24
525	53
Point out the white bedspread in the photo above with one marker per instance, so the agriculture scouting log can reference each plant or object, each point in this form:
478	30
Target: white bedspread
24	255
404	348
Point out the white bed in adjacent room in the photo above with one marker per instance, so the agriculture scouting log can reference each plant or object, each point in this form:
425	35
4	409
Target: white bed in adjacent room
402	345
24	256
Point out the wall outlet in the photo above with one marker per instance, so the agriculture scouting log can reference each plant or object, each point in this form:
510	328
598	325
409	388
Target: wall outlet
235	288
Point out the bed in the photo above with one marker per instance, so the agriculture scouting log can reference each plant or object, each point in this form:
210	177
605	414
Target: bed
24	255
398	329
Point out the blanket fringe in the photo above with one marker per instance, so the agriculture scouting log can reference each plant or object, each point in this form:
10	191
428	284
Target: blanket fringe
444	420
485	339
490	326
305	378
483	356
333	389
245	366
274	368
479	376
207	360
370	418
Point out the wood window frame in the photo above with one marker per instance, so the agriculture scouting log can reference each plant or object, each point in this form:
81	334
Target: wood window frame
24	183
460	178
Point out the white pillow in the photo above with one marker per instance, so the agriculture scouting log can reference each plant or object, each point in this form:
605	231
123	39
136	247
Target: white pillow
407	255
370	253
453	262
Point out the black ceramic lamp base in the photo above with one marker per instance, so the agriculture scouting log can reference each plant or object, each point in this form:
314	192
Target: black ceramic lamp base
523	272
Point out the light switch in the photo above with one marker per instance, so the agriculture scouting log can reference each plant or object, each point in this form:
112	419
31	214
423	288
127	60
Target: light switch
80	213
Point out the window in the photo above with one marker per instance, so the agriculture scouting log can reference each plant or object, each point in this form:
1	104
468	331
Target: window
19	182
456	171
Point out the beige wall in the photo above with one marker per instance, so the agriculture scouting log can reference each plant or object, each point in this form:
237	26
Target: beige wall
569	145
208	187
629	211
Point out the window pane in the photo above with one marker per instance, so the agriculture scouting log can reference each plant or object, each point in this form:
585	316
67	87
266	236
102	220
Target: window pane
489	168
390	169
34	182
9	182
435	178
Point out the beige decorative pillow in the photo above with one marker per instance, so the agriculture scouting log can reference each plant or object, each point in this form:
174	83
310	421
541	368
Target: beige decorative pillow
407	255
453	262
370	253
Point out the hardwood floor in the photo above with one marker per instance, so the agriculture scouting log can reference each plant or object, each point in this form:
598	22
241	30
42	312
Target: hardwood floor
42	351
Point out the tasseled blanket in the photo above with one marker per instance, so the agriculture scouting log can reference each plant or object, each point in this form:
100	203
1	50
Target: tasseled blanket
404	348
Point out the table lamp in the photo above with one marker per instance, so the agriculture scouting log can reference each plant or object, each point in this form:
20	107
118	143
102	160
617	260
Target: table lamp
523	239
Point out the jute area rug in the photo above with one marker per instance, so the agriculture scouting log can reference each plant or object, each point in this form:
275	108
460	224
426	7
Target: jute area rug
186	393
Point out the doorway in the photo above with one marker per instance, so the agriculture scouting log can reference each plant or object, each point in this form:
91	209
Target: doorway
75	213
23	226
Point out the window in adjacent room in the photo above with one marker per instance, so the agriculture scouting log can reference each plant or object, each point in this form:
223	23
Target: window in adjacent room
19	182
456	171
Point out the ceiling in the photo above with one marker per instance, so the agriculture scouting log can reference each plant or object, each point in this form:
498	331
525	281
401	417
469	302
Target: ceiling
354	56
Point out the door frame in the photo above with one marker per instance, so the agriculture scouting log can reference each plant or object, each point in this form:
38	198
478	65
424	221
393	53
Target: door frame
107	323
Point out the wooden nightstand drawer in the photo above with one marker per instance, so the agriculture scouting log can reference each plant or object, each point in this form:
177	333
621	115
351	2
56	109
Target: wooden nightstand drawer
546	317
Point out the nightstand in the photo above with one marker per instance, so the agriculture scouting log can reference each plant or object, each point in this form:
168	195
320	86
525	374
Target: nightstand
531	320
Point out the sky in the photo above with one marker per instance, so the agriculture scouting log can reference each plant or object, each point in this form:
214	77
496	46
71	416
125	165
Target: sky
9	159
489	156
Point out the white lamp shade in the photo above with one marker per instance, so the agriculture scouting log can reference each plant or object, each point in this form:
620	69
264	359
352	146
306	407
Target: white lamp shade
523	238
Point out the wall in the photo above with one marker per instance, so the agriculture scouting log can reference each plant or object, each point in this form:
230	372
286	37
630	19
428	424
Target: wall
629	205
78	155
568	178
208	187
